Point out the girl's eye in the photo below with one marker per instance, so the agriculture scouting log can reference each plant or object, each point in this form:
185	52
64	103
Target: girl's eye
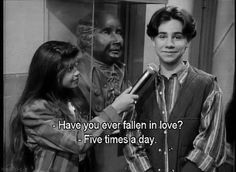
70	68
77	63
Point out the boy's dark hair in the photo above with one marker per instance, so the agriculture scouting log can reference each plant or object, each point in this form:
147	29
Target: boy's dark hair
168	13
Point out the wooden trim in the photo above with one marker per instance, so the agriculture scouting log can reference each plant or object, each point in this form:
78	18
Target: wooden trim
207	35
133	19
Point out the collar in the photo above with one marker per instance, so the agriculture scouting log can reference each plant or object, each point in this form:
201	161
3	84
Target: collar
109	69
181	74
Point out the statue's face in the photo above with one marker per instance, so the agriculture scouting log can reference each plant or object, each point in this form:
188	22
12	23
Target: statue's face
108	41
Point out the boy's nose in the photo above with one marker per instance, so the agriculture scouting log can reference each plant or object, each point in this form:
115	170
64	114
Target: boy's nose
169	42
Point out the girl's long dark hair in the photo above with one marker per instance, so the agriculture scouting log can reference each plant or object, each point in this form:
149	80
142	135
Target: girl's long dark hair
44	79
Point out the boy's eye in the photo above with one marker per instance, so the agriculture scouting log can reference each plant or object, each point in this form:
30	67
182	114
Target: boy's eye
162	36
178	36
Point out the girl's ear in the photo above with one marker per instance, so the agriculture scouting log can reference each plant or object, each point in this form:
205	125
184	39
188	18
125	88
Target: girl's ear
60	78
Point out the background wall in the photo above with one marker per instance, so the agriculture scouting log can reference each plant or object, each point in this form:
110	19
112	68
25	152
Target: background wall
24	30
224	48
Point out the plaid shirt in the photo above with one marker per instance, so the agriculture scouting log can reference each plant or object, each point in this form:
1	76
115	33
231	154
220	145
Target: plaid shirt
56	148
209	145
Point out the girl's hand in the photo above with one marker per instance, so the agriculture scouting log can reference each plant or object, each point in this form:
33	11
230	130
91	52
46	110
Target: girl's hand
124	101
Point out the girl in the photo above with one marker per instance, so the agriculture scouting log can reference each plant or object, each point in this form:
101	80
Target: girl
39	140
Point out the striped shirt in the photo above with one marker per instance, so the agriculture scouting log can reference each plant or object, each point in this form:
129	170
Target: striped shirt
209	145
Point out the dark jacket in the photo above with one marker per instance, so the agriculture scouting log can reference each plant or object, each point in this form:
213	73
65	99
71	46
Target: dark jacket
187	109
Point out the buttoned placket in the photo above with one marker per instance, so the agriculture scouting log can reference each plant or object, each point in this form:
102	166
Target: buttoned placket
160	94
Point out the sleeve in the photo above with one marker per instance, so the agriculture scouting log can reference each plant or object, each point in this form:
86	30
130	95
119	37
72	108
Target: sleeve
135	154
45	128
190	166
210	144
109	114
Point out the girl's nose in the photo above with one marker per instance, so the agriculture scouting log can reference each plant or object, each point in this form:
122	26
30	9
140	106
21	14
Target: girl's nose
76	73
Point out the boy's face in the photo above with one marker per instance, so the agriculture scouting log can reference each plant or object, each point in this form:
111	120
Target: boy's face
170	43
108	41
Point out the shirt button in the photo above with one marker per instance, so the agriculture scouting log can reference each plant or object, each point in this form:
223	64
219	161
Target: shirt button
160	93
163	112
165	153
96	92
98	108
158	169
165	132
159	150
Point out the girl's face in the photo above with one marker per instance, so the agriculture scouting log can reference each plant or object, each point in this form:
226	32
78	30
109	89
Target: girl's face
71	76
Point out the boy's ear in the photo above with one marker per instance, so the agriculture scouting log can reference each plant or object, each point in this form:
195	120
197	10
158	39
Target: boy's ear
153	43
187	45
